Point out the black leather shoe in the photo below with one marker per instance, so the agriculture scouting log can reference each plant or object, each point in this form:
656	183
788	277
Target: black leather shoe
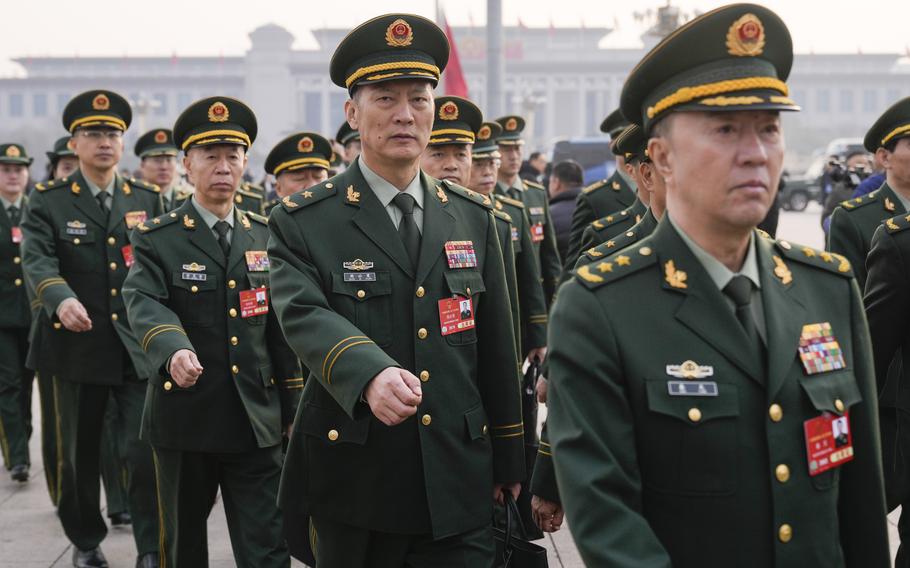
93	558
19	473
121	519
147	560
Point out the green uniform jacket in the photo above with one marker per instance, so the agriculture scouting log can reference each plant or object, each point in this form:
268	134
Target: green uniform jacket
640	230
176	200
16	311
251	382
595	201
71	252
854	222
605	228
433	473
650	479
543	234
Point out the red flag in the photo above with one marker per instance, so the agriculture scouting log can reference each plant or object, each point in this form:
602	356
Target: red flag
455	83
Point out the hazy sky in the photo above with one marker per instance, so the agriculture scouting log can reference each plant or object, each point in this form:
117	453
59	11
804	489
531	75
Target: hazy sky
207	27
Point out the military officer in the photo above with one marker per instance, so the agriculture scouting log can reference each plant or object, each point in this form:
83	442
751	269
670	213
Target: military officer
730	391
158	163
298	162
15	318
855	221
76	252
535	199
199	298
350	140
409	423
61	161
601	198
886	308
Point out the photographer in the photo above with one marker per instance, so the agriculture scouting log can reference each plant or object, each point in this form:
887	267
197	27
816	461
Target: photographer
842	183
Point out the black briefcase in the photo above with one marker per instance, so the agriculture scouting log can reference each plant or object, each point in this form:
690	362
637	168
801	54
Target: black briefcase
512	547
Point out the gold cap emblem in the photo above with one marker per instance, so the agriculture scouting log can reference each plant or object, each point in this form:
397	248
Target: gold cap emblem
511	124
746	37
484	133
101	102
12	152
305	145
219	112
399	34
448	111
161	137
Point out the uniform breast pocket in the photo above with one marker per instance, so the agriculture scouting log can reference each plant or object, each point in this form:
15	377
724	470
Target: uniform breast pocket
76	250
688	444
833	392
368	303
258	281
465	283
193	297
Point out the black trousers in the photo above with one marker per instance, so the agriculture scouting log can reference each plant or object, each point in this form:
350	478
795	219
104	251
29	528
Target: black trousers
15	396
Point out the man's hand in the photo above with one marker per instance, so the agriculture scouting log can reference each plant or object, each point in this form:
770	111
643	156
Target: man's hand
547	514
541	390
500	488
393	395
73	315
185	368
537	355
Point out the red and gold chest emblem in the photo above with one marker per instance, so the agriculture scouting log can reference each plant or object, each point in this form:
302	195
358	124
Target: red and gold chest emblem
448	111
399	34
219	112
101	102
746	37
305	146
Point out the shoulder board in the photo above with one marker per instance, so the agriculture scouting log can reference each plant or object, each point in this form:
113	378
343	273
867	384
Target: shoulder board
858	202
510	201
144	185
533	184
594	186
832	262
249	186
897	224
468	194
502	215
614	267
51	184
306	197
157	222
250	194
257	217
610	247
613	219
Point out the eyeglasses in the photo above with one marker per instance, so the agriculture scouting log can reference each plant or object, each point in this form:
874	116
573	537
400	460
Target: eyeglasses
98	135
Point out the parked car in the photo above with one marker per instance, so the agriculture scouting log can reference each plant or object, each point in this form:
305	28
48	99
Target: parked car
799	191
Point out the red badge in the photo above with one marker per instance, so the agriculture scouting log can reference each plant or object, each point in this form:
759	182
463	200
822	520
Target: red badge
16	235
133	218
127	252
456	315
254	302
536	232
829	442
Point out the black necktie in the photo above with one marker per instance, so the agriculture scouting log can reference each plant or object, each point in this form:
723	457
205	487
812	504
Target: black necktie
102	202
514	193
407	228
14	217
222	228
739	289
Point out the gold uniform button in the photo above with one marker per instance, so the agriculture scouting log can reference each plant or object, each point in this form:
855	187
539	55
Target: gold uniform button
786	246
422	333
333	435
776	412
173	215
113	266
645	251
58	325
272	380
114	317
234	340
468	291
424	376
420	292
113	292
194	289
426	420
111	241
782	473
232	312
235	369
361	294
329	185
16	260
630	234
232	284
484	430
785	533
168	385
77	240
839	405
694	415
17	282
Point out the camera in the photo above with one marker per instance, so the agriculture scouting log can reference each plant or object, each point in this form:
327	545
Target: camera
850	177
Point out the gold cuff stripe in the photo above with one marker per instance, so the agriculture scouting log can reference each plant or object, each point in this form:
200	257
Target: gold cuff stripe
337	345
293	387
294	380
321	162
542	443
391	66
96	119
46	283
155	328
162	329
543	452
328	376
515	435
519	425
688	94
215	134
895	132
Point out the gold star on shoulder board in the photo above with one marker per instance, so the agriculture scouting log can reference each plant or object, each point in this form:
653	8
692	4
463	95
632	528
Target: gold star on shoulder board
826	256
611	244
605	267
307	194
156	221
808	252
623	260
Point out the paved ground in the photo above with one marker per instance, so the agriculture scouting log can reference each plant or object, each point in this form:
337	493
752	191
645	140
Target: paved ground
31	537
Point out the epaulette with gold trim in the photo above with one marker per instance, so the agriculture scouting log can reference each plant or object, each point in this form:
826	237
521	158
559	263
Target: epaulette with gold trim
250	194
857	202
612	219
51	184
469	194
595	186
832	262
615	266
502	215
257	217
144	185
533	185
897	224
250	186
157	222
607	248
510	201
301	199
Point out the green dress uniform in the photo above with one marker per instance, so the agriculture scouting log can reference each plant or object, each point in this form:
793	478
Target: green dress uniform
299	151
76	248
160	142
15	319
191	289
638	231
664	433
606	228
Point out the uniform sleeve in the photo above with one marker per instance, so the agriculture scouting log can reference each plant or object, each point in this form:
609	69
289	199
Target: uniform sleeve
533	304
498	377
543	480
509	266
591	429
581	218
550	264
145	292
862	510
339	355
39	256
844	239
286	367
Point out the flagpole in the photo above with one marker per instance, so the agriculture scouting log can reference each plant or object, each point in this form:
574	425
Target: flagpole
495	65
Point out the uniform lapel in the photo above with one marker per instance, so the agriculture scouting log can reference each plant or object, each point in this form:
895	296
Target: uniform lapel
438	223
120	204
626	195
891	197
371	217
784	313
200	234
704	309
240	239
84	200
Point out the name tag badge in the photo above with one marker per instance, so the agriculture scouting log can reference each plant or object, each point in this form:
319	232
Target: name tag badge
127	253
536	232
254	302
133	218
76	228
360	277
456	315
692	388
819	351
194	276
460	254
829	442
257	261
16	235
535	210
